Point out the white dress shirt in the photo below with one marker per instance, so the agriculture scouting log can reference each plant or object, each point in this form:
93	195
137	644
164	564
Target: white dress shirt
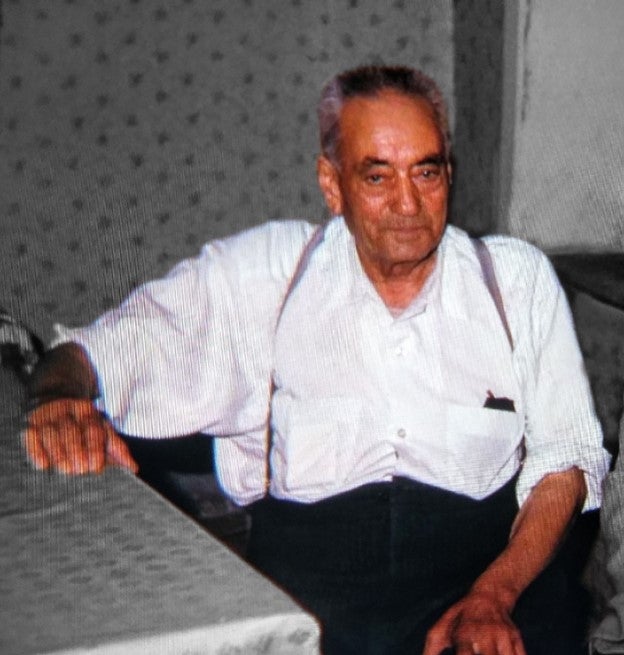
359	394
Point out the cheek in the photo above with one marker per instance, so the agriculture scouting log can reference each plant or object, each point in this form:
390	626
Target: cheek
366	210
373	208
437	206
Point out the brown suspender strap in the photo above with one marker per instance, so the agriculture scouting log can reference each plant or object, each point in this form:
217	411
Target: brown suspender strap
487	268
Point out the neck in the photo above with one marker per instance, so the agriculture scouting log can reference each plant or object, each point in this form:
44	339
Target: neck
398	284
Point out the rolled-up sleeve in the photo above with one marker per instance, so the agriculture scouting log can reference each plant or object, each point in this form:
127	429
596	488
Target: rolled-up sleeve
562	429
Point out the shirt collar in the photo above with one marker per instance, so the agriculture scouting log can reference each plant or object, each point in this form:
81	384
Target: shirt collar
362	288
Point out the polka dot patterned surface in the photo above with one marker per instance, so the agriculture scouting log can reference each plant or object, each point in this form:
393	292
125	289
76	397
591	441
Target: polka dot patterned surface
133	131
98	561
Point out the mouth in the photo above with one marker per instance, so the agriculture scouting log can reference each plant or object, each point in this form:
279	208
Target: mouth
406	230
405	223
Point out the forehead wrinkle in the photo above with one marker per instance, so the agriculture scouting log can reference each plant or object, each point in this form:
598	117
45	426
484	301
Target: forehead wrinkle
368	138
388	140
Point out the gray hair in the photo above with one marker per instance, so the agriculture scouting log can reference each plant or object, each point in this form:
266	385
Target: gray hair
369	81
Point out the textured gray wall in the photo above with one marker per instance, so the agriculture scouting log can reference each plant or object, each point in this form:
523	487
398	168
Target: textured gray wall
564	125
135	130
478	69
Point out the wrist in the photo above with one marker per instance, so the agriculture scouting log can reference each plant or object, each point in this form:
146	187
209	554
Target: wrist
63	372
502	594
32	403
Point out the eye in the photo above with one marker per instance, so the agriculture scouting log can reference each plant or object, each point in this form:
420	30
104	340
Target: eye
428	174
374	178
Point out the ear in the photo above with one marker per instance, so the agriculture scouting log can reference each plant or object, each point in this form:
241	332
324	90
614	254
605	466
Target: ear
329	181
449	173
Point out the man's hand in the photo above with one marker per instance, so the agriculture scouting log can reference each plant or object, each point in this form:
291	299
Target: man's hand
479	624
71	436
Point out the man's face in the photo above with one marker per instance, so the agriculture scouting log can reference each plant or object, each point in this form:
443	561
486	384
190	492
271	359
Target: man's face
392	182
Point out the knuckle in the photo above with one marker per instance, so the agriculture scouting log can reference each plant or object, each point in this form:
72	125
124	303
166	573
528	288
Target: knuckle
435	632
37	417
84	408
94	436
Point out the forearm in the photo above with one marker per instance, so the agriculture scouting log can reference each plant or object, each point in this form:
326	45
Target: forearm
540	527
63	372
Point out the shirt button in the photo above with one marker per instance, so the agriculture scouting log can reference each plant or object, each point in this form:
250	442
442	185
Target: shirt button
398	351
402	433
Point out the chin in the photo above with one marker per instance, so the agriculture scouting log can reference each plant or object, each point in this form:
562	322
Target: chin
411	251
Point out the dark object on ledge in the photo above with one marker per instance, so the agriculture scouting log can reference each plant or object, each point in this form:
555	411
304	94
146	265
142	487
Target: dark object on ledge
20	348
599	275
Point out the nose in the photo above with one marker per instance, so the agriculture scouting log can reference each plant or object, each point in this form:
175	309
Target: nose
407	197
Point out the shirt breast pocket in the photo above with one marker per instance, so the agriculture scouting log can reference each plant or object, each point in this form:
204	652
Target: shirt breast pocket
481	441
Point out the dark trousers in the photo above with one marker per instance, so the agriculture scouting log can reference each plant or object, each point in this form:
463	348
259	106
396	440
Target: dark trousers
380	564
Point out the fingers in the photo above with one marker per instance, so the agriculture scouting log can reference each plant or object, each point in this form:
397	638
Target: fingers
436	645
71	436
465	633
64	447
468	649
117	452
484	644
439	637
34	449
493	641
73	441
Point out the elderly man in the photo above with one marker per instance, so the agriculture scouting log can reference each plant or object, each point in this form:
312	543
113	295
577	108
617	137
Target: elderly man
405	413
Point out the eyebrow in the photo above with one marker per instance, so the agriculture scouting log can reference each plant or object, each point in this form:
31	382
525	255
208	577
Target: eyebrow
438	160
371	162
428	160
